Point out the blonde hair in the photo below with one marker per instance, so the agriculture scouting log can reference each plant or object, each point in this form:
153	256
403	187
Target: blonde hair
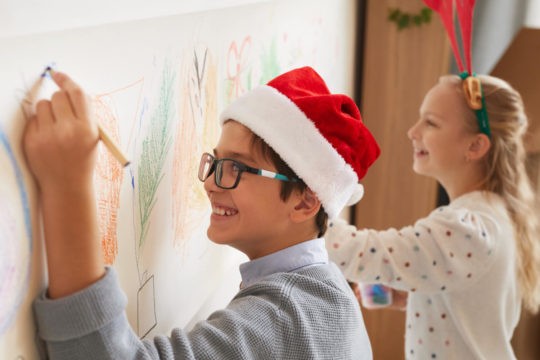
507	176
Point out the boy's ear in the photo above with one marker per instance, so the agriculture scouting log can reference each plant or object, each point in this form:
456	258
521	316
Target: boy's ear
307	206
478	147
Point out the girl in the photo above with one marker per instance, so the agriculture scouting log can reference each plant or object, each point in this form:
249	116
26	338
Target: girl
467	266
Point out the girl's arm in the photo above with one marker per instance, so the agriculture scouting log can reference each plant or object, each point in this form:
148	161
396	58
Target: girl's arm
60	147
446	250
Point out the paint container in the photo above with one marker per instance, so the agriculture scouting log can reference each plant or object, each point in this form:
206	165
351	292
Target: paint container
375	296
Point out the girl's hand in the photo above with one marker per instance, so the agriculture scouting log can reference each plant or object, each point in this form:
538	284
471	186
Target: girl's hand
356	290
399	300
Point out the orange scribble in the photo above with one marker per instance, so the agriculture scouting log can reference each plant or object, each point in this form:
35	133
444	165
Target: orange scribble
196	131
109	173
107	179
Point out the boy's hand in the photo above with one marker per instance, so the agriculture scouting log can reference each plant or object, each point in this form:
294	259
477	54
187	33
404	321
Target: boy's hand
60	139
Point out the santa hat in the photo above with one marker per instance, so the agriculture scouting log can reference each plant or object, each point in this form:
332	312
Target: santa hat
318	134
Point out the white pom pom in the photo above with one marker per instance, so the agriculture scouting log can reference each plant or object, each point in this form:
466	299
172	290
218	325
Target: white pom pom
356	195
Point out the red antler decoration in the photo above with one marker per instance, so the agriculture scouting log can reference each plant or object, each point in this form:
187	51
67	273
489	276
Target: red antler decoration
465	8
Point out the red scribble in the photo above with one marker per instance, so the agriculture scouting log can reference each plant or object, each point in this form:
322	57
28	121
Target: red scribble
237	63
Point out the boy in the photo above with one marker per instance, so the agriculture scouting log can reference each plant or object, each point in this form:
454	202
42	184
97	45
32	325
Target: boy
293	303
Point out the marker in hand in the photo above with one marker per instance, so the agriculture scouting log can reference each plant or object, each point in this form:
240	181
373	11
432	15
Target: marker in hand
109	143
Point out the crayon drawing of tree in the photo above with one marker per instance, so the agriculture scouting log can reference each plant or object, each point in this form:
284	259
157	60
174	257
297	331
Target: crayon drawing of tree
155	147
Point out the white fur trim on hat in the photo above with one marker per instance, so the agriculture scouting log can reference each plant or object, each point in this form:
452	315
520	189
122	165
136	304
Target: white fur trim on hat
357	195
278	121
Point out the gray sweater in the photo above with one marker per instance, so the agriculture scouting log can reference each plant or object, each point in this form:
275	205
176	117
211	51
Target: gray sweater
307	314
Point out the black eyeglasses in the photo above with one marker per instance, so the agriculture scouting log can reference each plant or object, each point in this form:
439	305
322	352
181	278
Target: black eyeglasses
228	171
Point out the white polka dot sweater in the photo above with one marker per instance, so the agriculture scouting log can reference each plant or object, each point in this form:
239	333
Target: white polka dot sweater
457	265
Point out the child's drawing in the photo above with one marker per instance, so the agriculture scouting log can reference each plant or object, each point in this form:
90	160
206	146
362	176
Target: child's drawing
109	173
196	131
15	221
155	148
269	62
108	178
238	69
150	173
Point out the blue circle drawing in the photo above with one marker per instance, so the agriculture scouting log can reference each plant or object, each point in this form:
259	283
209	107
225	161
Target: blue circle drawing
14	272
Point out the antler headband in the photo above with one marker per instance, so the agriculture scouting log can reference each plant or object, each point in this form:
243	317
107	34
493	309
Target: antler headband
472	86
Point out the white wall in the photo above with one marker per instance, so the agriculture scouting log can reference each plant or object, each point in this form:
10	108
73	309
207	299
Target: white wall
495	24
533	14
18	17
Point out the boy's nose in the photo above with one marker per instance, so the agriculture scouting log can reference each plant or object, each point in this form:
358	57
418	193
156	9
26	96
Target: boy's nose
210	183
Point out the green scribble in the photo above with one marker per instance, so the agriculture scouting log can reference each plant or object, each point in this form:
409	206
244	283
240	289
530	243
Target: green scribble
270	64
155	147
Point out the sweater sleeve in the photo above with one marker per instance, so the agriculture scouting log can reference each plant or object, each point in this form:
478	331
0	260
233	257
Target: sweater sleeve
447	250
92	324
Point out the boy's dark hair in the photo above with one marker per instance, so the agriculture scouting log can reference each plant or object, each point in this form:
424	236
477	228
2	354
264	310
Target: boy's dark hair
287	187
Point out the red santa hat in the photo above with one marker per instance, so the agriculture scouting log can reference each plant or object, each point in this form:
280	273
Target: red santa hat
318	134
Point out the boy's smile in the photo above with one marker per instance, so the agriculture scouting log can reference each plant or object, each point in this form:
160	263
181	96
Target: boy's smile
223	211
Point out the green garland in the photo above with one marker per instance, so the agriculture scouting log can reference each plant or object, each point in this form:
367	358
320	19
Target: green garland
404	20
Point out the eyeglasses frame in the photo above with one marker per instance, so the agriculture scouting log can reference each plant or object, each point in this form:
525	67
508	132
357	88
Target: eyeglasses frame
218	164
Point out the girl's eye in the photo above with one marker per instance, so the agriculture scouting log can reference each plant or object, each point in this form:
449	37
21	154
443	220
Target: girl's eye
429	122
